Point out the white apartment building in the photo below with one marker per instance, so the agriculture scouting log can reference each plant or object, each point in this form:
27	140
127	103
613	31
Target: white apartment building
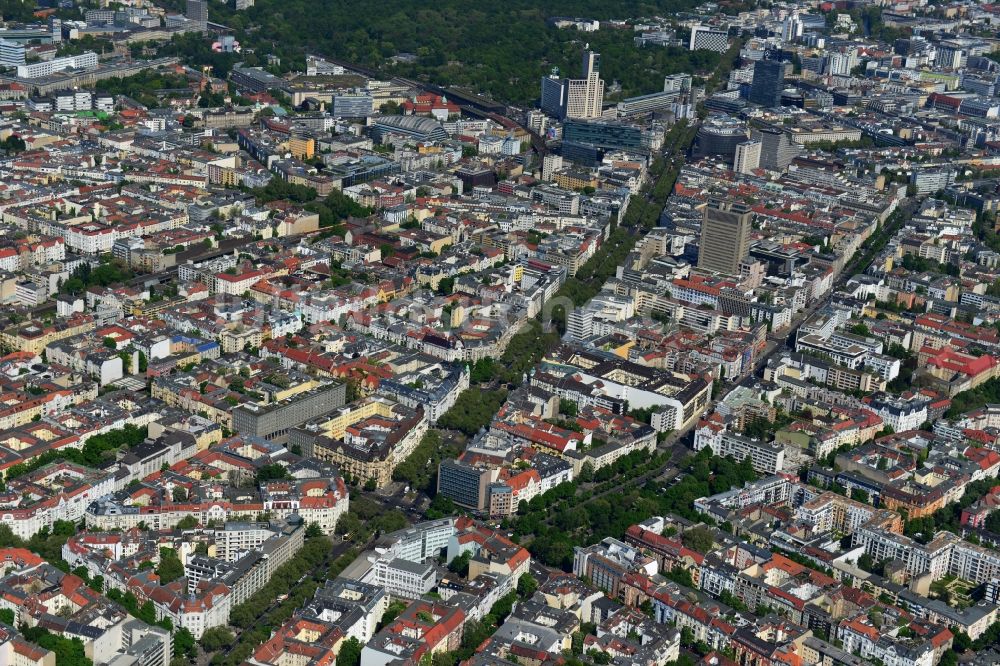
766	458
237	538
37	70
933	558
402	578
865	640
974	563
900	415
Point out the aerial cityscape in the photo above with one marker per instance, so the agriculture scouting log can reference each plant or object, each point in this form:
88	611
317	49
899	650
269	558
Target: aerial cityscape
540	333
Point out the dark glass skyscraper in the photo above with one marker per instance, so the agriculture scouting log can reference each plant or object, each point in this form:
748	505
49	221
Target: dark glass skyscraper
768	82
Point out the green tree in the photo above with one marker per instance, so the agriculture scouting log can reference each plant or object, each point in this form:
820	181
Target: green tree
446	286
699	539
272	472
184	644
13	144
460	564
419	470
526	586
440	507
278	189
69	652
482	371
390	108
866	562
949	658
170	567
216	638
96	450
392	612
187	523
860	329
473	410
350	653
680	576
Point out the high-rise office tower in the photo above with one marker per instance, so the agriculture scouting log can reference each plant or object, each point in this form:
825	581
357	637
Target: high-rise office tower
725	236
538	122
792	28
554	95
575	98
841	64
579	324
55	28
550	164
677	83
12	53
747	157
768	83
585	96
197	11
949	56
777	150
707	37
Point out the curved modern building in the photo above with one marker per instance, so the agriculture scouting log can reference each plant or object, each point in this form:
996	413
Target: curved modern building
719	135
418	127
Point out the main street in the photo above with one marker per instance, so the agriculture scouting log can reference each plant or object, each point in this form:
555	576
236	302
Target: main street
677	443
318	575
784	339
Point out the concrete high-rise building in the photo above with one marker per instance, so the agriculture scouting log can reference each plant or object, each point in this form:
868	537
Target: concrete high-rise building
719	135
538	122
466	484
579	324
725	236
35	70
575	98
768	83
949	56
590	64
585	96
777	150
792	28
677	83
55	27
841	64
12	54
353	106
709	38
550	164
747	157
274	421
197	11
